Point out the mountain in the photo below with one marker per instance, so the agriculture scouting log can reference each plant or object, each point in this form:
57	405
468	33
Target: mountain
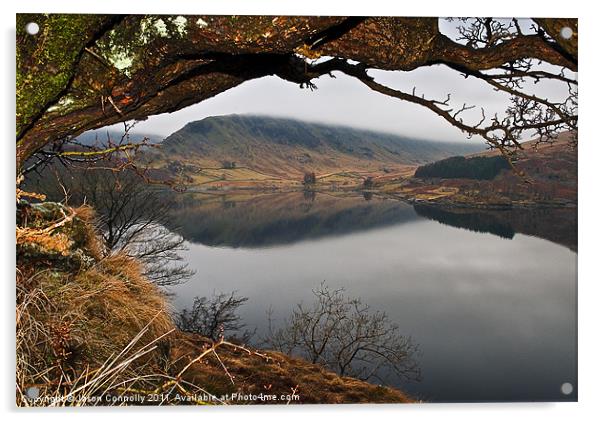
286	148
100	137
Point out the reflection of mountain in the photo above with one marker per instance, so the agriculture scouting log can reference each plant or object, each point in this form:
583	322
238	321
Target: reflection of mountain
273	219
263	220
558	225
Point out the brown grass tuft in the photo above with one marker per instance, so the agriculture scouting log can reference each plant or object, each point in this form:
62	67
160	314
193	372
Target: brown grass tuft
76	310
273	373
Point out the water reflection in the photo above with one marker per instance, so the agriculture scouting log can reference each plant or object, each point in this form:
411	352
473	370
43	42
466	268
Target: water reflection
278	219
495	318
554	224
286	218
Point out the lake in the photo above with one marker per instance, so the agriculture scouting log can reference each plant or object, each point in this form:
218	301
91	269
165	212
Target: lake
489	297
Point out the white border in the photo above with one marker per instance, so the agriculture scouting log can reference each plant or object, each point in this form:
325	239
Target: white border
590	156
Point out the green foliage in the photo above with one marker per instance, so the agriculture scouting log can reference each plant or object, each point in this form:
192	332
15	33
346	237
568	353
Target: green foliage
478	168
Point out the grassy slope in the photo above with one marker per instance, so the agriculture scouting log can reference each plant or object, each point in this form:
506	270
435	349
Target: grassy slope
267	149
274	373
551	169
532	149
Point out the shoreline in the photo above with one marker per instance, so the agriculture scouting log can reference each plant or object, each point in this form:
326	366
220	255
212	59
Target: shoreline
443	202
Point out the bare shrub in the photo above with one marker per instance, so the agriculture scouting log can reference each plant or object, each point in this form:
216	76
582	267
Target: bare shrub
131	216
215	317
346	336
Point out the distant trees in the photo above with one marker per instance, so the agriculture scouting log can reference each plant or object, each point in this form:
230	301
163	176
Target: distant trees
346	336
228	165
309	178
478	168
368	182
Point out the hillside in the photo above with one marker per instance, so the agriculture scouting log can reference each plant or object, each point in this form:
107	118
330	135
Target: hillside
264	149
101	136
550	179
534	149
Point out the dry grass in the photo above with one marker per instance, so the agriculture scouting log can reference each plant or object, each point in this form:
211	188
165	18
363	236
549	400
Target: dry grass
273	373
73	328
80	314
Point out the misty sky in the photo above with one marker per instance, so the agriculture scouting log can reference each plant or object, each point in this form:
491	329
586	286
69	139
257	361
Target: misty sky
346	101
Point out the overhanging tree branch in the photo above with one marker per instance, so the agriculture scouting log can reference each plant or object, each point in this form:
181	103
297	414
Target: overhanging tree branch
171	72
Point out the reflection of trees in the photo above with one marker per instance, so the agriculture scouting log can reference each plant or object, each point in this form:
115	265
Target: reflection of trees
554	224
346	336
468	219
309	195
132	216
281	218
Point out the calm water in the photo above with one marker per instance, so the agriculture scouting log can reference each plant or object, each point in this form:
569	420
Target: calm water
489	297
